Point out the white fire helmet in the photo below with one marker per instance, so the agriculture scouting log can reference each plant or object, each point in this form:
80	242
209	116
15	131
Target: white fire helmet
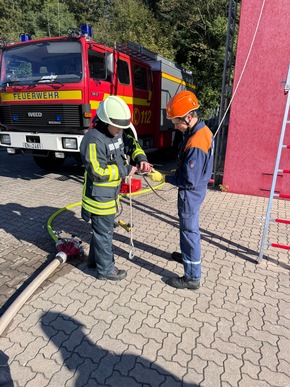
114	111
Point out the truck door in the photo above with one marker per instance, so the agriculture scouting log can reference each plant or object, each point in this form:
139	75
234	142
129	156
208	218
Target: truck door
134	85
142	95
99	79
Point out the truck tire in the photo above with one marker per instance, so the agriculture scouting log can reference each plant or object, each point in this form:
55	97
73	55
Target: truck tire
48	163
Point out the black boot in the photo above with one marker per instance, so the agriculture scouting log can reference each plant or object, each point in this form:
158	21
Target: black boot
91	266
116	275
183	283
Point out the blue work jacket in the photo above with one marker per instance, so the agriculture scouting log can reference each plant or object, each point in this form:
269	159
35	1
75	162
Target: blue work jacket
194	167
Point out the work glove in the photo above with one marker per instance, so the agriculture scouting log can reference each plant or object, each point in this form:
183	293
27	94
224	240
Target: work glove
155	175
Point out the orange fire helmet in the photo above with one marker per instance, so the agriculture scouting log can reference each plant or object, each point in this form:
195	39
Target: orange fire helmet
181	104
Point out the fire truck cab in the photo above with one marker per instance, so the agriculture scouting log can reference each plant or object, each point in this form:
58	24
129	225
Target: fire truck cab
50	89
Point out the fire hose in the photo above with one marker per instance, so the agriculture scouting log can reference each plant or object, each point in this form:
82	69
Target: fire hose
24	296
66	247
60	258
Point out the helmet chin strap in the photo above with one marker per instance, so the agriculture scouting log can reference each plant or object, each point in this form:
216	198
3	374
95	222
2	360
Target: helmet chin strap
193	116
187	122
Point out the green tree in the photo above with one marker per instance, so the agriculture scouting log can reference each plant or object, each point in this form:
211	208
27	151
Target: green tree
38	18
198	31
87	12
124	20
55	19
9	20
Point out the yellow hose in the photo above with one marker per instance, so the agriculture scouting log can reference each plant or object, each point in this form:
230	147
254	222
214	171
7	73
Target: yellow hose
53	216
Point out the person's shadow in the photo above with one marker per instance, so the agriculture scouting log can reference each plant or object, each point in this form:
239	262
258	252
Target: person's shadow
96	366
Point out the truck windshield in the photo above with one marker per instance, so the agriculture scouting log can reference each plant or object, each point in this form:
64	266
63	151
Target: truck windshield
42	62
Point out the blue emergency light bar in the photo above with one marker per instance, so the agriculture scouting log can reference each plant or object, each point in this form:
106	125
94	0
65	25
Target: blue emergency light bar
25	37
86	30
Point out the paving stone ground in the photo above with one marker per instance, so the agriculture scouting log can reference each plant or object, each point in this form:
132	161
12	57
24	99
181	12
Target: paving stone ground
78	331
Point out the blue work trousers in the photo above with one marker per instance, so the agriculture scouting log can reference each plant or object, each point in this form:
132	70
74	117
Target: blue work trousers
101	246
189	203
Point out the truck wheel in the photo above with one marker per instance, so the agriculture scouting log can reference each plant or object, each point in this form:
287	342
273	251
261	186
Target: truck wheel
48	163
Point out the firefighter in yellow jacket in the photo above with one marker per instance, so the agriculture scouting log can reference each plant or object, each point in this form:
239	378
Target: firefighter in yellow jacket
103	151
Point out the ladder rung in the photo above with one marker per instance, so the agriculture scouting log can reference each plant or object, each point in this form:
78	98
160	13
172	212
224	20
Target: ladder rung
278	245
280	220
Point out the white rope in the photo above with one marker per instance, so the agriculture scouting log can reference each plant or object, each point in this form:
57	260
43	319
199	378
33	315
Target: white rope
243	70
132	249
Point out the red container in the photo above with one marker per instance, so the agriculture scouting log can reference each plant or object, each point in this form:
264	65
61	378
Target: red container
136	185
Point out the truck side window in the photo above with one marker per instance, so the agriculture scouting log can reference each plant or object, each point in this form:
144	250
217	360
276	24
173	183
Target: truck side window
97	65
140	77
123	72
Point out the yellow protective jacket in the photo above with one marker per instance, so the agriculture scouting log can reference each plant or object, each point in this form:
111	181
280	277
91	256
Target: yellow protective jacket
103	156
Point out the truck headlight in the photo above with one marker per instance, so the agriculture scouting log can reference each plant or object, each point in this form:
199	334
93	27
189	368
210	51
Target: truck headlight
5	139
69	143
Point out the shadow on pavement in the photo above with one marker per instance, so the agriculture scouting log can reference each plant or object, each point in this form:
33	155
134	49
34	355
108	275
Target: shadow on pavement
29	224
96	366
214	239
25	260
23	167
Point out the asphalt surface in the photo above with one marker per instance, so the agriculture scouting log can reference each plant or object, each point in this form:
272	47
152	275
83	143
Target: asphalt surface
77	331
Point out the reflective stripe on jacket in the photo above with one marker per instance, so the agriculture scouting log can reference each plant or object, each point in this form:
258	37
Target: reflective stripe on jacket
98	207
103	156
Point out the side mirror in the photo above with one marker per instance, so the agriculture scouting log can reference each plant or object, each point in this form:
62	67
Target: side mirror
109	63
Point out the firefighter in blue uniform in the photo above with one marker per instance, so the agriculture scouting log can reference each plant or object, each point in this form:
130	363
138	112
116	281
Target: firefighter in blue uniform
194	170
103	151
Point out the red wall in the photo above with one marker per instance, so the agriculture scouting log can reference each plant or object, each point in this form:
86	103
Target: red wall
257	110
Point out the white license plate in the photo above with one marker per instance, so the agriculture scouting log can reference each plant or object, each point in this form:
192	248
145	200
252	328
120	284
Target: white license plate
32	145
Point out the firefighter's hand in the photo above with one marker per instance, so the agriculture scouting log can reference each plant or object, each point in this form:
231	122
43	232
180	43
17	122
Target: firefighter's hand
144	167
133	170
155	176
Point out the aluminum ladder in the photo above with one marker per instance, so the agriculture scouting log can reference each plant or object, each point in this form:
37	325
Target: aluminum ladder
281	146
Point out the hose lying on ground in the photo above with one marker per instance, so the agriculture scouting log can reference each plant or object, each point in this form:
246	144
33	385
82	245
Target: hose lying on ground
60	258
24	296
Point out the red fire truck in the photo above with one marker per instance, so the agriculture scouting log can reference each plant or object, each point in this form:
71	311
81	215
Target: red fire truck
51	88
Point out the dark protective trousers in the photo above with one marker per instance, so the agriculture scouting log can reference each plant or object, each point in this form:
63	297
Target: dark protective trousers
101	247
5	375
189	203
